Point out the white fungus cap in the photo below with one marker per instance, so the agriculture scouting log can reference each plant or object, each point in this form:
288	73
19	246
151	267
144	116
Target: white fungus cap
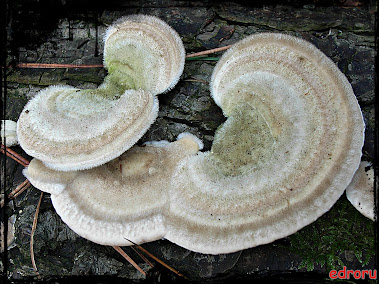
360	191
125	198
286	153
46	179
191	137
145	52
72	129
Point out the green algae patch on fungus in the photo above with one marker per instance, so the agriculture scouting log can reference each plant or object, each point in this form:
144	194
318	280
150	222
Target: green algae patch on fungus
143	52
243	140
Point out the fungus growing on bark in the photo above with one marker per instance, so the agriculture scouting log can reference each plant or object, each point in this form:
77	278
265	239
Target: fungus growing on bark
360	191
70	129
153	64
8	133
287	151
46	179
125	198
73	129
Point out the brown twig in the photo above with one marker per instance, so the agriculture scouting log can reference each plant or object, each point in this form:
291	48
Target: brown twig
209	51
32	234
54	65
17	191
21	160
195	80
127	257
57	65
12	154
157	259
231	32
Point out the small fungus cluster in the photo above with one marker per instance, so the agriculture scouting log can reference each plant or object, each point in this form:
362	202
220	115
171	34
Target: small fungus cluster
74	129
289	148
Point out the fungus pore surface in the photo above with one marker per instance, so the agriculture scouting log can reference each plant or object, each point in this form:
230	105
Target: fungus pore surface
73	129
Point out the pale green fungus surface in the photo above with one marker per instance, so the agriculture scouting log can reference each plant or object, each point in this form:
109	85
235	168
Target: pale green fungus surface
74	129
243	142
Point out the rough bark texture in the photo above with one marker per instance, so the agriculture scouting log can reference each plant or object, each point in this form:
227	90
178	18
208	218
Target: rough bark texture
342	237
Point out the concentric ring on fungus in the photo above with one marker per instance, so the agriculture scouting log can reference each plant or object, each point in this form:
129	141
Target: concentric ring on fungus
75	129
161	54
286	153
125	198
288	149
70	129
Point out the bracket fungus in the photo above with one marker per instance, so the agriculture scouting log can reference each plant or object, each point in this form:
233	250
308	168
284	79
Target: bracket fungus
72	129
287	151
289	148
360	191
124	198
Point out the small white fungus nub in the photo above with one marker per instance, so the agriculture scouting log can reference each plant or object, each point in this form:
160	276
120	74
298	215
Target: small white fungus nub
193	137
360	191
8	133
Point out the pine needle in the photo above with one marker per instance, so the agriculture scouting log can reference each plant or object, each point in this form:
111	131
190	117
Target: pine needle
209	51
32	235
54	65
195	56
203	58
24	162
127	257
143	257
17	191
157	259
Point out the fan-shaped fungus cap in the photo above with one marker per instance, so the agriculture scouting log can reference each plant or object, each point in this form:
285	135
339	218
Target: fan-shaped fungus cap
144	52
286	153
8	133
125	198
46	179
72	129
360	191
